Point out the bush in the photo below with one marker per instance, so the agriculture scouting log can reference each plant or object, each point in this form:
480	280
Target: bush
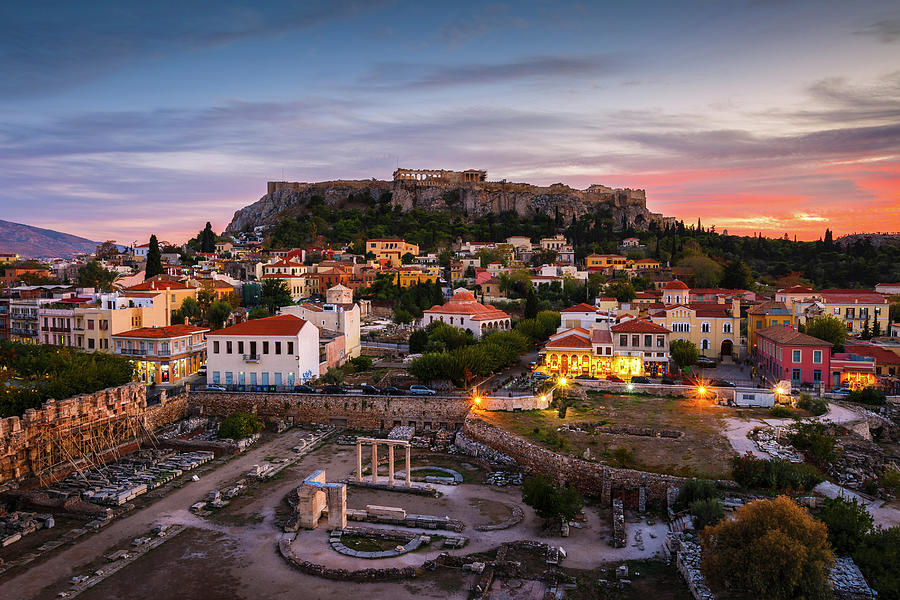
706	512
550	501
867	395
771	549
780	411
776	475
333	376
694	490
623	457
814	440
819	407
804	401
239	425
361	363
878	557
848	523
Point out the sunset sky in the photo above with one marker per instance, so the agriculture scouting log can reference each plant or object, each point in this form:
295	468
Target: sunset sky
122	119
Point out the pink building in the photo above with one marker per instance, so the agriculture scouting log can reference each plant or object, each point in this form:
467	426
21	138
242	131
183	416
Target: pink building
786	354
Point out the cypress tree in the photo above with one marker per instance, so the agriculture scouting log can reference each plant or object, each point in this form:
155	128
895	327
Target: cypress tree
154	259
207	239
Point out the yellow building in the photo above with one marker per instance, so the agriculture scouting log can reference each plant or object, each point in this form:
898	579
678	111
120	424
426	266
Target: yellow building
410	276
176	292
605	261
95	324
8	258
765	315
645	264
391	250
163	354
715	328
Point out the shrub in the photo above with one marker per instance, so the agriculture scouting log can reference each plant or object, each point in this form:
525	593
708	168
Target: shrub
776	475
696	489
819	407
780	411
333	376
805	401
772	549
623	457
361	363
706	512
815	440
867	395
550	501
878	557
847	522
239	425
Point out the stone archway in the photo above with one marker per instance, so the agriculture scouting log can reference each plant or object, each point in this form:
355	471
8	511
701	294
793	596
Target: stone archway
727	348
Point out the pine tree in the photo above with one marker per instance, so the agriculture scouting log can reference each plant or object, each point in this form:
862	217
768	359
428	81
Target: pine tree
876	328
154	259
866	332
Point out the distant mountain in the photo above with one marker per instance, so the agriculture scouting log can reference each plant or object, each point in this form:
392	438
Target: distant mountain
34	242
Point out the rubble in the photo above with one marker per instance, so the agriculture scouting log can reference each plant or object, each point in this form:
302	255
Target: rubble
619	536
503	478
464	445
847	581
687	560
15	525
766	439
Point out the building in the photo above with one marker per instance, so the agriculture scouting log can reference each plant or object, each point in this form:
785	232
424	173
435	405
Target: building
175	292
557	242
645	264
163	354
786	354
96	322
633	347
887	362
582	315
4	318
853	371
440	175
141	251
338	313
57	319
605	261
464	311
715	328
631	242
284	267
888	289
764	315
855	308
282	351
676	292
390	251
796	293
519	242
409	276
12	276
7	258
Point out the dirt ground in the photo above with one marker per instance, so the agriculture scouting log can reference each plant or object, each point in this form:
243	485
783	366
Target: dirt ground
702	450
232	553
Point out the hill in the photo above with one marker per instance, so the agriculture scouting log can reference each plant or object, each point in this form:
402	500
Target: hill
471	200
35	242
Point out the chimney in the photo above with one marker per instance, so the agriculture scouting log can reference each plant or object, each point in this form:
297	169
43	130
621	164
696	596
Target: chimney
186	321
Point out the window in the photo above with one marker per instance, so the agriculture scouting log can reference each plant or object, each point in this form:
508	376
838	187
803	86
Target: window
266	351
851	313
759	324
623	340
253	348
704	344
90	324
265	379
648	340
277	375
228	347
817	375
635	340
240	348
660	341
277	349
726	327
216	347
252	378
290	347
229	377
215	377
817	356
91	343
796	355
795	375
704	327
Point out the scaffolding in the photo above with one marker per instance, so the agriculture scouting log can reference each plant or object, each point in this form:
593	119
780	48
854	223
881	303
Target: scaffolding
85	443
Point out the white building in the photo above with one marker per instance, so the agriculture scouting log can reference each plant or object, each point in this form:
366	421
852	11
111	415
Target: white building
888	289
142	250
463	311
281	350
337	313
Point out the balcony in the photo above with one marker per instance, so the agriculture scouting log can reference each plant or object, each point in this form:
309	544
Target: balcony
252	358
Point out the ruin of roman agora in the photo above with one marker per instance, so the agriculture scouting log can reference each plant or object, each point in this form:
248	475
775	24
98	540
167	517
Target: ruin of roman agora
489	390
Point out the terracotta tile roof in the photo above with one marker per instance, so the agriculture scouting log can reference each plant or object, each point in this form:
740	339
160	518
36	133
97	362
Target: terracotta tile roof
646	261
849	296
796	289
159	285
282	276
638	326
583	307
601	336
170	331
283	263
765	307
464	303
882	356
569	341
281	325
787	336
676	284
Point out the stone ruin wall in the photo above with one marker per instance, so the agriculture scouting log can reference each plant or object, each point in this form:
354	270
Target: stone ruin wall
590	478
356	412
24	440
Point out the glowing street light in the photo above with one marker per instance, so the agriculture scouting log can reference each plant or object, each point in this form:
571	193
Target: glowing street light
701	390
563	381
779	390
630	387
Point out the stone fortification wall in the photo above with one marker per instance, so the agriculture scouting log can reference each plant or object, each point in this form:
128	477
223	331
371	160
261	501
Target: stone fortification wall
356	412
590	478
45	442
628	206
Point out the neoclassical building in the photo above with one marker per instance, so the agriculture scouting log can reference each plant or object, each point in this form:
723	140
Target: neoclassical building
463	311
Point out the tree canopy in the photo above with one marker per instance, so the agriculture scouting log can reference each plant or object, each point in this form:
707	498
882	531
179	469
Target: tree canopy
684	353
154	259
828	328
550	501
273	294
94	275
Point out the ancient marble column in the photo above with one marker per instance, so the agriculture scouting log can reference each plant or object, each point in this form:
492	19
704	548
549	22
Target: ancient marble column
359	461
391	464
374	462
408	468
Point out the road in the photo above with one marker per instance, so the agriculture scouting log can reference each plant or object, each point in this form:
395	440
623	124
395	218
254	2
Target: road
71	561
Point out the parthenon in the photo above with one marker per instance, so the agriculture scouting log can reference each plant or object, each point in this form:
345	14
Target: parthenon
440	175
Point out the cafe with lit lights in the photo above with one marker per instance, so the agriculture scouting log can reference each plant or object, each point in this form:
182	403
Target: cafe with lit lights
163	354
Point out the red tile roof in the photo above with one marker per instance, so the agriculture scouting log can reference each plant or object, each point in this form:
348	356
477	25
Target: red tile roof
850	296
572	340
796	289
583	307
170	331
638	326
281	325
464	303
159	285
787	336
882	356
676	284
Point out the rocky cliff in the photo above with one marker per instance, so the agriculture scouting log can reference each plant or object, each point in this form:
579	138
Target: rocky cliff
626	206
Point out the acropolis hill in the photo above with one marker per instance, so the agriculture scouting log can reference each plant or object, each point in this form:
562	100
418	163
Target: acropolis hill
466	192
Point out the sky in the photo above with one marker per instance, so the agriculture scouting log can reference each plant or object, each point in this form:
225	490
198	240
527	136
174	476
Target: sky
121	119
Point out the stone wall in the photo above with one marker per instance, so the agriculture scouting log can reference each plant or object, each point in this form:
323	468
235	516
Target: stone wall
590	478
516	402
355	412
107	423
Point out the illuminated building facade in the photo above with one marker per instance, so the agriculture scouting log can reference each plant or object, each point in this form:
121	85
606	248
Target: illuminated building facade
163	354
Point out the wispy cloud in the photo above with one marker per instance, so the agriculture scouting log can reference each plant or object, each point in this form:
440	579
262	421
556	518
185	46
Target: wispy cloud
473	25
886	30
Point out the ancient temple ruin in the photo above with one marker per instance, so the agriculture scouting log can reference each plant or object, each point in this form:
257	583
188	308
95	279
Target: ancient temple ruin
440	175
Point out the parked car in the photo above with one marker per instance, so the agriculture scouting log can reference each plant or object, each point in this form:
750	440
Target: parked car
587	377
202	370
640	379
391	391
668	381
532	365
539	375
421	390
334	389
369	390
721	383
705	361
841	390
614	378
214	387
304	389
